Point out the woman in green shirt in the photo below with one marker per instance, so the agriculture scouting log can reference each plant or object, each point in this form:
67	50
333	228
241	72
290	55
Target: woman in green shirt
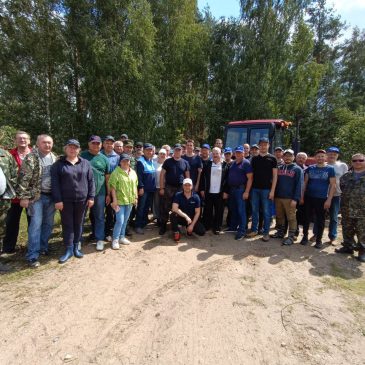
123	187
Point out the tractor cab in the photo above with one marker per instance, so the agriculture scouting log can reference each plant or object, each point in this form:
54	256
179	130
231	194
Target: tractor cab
251	131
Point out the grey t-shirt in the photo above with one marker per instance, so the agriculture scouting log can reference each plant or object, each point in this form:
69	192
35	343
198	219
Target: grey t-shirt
46	162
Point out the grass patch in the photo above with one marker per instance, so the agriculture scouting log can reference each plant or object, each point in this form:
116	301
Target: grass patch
343	280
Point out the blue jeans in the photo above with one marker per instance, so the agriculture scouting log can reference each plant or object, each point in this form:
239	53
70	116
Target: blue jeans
42	212
238	210
333	213
144	203
121	221
98	214
261	197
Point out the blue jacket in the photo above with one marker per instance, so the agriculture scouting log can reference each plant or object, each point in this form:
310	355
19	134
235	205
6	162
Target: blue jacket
146	175
72	183
290	182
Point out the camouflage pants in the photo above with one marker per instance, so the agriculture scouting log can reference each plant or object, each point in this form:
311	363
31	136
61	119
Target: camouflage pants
4	207
352	227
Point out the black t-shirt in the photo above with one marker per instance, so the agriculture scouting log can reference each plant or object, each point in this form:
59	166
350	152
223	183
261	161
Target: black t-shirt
187	205
175	171
262	170
195	163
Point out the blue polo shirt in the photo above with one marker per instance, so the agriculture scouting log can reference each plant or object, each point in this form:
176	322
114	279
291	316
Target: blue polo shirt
146	174
319	180
188	206
113	158
175	171
237	173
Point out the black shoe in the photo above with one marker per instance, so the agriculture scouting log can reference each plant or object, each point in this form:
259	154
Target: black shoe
304	241
277	235
361	256
288	241
162	230
318	245
344	249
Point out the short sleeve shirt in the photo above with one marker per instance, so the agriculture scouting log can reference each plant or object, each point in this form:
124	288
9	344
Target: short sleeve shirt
187	205
237	173
319	180
195	163
101	167
262	167
175	171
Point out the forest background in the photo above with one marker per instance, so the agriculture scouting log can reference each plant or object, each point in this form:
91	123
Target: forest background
163	71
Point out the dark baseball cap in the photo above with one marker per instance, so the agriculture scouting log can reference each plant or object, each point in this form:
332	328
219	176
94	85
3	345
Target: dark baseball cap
263	139
227	150
124	136
177	146
333	149
147	146
94	138
139	144
254	146
206	145
109	138
124	156
239	149
128	143
279	149
73	142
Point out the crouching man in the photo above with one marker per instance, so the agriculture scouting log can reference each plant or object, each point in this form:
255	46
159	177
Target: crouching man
186	211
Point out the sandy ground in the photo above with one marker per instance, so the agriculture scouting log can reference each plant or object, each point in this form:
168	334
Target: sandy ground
208	300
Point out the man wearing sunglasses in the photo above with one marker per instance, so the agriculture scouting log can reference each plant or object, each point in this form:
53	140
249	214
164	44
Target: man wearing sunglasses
352	185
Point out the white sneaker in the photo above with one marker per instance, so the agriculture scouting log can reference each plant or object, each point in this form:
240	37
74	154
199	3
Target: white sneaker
115	245
124	241
109	238
100	246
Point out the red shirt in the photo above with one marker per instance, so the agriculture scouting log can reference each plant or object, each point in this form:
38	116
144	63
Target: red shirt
18	160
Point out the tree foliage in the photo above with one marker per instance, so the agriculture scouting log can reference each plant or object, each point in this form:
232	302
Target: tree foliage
162	71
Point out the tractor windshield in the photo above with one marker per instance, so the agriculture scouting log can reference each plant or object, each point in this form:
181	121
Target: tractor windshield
236	136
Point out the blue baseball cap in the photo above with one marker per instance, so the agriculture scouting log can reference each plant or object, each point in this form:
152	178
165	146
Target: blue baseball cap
263	139
73	142
227	150
147	146
178	146
333	149
124	156
94	138
206	145
239	149
109	138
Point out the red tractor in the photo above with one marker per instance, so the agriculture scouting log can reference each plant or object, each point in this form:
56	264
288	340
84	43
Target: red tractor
250	131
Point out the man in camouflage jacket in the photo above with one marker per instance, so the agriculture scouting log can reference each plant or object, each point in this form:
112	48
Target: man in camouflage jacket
34	191
9	168
352	185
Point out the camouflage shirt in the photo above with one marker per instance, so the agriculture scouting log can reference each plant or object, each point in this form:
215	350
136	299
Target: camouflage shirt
30	176
9	167
353	195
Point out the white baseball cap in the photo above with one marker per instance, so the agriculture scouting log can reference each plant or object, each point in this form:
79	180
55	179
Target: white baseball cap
188	181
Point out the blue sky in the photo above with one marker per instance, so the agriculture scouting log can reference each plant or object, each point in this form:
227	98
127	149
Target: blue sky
351	11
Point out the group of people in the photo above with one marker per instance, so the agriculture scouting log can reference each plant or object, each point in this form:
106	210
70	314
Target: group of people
120	183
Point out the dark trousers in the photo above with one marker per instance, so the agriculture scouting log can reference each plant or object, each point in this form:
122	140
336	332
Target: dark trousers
166	202
176	220
315	205
213	211
72	216
12	227
109	220
144	204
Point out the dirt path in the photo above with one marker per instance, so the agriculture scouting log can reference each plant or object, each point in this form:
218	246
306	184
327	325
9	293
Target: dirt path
209	300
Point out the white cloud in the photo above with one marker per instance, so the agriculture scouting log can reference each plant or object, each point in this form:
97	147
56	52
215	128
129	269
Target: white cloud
347	5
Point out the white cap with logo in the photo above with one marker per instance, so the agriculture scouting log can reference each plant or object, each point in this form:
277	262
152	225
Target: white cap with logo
188	181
